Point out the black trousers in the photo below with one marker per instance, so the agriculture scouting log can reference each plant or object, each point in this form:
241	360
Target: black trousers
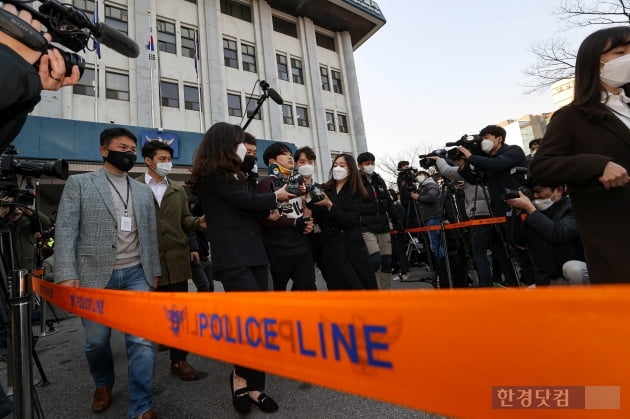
176	355
299	268
246	278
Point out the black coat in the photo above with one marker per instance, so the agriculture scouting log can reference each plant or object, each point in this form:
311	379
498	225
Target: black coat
345	255
552	238
497	174
231	217
575	149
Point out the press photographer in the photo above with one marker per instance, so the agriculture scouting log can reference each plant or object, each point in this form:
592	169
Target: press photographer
21	83
550	233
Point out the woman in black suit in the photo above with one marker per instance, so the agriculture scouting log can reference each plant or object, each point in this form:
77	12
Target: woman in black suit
345	256
587	146
238	253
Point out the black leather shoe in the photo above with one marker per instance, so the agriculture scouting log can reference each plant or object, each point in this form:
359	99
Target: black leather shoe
265	403
240	398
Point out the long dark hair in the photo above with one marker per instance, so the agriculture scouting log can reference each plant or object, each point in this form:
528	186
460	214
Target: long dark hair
588	87
216	154
354	182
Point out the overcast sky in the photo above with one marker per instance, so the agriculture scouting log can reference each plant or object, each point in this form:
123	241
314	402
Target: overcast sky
440	69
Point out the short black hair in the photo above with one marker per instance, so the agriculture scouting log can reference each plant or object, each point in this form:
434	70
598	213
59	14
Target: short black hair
249	138
535	141
402	163
150	148
110	133
274	150
495	130
310	154
365	156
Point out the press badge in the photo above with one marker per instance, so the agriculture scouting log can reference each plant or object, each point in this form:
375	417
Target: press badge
125	223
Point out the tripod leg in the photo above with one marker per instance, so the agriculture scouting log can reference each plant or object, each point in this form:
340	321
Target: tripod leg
40	369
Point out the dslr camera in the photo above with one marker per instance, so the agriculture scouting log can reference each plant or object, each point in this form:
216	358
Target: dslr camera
524	179
295	184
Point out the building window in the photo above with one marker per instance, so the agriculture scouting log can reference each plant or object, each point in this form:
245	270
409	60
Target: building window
342	122
248	53
287	114
166	37
169	94
87	6
250	106
237	10
302	116
188	41
323	72
191	98
283	69
296	70
336	81
117	18
325	41
229	53
86	83
234	105
116	86
330	121
285	27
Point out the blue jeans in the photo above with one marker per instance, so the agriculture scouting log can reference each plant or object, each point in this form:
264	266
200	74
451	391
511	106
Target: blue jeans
435	239
140	352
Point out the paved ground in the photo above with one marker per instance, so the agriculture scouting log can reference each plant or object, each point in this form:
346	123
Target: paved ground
69	393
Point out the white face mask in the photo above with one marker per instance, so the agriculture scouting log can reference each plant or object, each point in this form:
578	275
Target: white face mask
306	170
421	178
369	169
542	204
339	173
164	168
241	151
486	146
616	72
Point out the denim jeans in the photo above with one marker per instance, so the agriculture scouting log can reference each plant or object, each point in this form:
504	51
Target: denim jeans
435	239
140	352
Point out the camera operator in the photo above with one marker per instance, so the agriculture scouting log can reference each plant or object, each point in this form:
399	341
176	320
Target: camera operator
376	219
27	229
287	236
20	83
550	233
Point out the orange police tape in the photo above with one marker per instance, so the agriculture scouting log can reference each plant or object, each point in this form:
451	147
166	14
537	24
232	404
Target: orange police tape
453	352
452	226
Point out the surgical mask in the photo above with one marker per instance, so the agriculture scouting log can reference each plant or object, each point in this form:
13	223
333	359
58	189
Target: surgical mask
486	146
542	204
164	168
421	178
306	170
369	169
339	173
241	151
616	72
121	160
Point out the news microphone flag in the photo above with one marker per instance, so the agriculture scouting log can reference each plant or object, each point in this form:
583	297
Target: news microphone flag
95	21
151	49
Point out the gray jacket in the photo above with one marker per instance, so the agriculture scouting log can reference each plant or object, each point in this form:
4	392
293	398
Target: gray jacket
86	230
475	200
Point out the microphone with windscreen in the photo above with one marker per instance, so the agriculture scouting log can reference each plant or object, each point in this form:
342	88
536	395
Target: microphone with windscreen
275	96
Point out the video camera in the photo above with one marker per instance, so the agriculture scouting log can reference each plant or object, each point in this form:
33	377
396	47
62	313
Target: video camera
471	142
295	184
10	167
427	163
68	26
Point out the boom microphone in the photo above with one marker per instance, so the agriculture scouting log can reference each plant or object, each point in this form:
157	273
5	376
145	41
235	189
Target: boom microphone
275	96
116	40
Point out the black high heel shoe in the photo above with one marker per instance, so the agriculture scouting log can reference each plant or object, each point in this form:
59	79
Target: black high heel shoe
240	398
265	403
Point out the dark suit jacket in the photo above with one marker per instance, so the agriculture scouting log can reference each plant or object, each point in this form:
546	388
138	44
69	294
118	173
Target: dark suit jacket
231	216
575	149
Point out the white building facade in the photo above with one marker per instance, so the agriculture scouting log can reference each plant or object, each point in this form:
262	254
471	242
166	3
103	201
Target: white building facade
303	49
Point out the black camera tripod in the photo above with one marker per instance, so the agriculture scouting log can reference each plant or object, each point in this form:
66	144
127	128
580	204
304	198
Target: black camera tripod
417	243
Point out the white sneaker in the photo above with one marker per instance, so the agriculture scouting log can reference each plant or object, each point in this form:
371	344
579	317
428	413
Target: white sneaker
403	277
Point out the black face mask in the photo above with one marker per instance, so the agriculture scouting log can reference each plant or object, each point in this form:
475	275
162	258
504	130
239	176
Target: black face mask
121	160
248	163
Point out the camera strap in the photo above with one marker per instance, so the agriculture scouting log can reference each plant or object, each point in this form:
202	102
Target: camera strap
17	28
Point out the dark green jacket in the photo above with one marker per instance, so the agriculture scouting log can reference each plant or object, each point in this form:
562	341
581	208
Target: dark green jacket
173	219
